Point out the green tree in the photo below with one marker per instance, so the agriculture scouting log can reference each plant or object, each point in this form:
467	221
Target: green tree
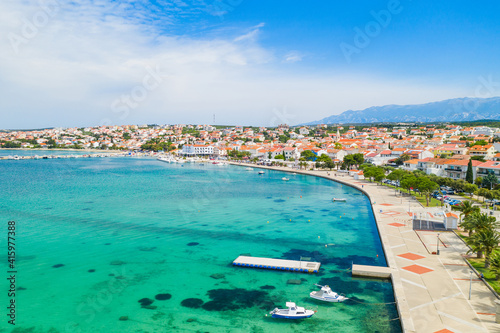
466	208
481	143
323	158
401	159
426	187
374	172
408	181
495	264
126	136
478	181
469	176
478	158
486	241
490	180
308	155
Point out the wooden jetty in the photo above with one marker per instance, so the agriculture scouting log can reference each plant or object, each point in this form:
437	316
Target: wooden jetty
277	264
371	271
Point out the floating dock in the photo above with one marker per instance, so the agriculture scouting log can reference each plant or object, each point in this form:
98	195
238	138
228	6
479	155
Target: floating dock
371	271
278	264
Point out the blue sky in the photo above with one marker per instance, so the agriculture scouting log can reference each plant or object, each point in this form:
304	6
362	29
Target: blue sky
90	62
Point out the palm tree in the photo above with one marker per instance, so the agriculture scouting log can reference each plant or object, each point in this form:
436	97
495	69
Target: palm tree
466	208
495	264
478	221
486	241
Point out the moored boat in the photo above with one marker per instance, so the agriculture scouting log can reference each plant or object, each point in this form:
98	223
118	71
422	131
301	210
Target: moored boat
261	172
292	312
285	179
339	199
326	294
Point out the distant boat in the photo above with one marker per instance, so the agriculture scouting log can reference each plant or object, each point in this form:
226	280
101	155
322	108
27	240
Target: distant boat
249	169
292	312
261	172
326	294
339	199
284	178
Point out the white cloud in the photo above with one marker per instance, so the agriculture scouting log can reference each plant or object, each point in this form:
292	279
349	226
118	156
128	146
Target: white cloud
292	57
81	64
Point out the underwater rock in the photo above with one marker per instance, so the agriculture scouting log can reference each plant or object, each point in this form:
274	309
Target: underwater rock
190	320
303	279
147	249
163	297
217	276
117	263
149	307
234	299
192	244
111	274
123	318
145	301
267	287
91	270
193	303
120	277
294	281
107	243
58	265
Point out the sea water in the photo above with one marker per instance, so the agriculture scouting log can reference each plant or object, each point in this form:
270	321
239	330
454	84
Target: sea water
97	240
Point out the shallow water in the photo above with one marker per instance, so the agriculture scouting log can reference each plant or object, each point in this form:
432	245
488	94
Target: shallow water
95	236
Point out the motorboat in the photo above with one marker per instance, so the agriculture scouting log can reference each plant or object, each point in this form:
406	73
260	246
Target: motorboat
326	294
261	172
285	179
292	312
339	199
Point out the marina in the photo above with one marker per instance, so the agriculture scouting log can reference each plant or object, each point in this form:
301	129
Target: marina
277	264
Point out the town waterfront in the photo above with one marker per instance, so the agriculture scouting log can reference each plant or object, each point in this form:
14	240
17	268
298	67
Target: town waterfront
95	236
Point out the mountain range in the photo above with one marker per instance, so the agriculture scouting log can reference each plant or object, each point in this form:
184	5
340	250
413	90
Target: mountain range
457	109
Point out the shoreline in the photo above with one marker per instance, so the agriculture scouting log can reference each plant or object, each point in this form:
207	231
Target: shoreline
397	285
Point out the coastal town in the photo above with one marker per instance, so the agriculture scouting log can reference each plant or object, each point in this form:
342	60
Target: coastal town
440	150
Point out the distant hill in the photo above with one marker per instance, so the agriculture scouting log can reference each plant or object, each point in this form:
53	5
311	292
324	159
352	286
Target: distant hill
451	110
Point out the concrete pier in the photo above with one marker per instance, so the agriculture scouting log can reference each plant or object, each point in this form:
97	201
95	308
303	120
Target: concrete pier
371	271
278	264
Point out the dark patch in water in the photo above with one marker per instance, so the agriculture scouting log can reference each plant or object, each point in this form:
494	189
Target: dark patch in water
91	270
192	244
107	244
204	225
267	287
269	197
145	301
49	208
163	297
89	202
309	210
58	265
342	263
21	288
324	210
193	303
279	200
86	208
343	286
234	299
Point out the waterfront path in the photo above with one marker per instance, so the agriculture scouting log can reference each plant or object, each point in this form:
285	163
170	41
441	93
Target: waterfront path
432	291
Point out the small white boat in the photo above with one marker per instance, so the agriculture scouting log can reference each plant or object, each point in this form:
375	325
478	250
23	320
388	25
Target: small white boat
339	199
292	312
285	179
261	172
326	294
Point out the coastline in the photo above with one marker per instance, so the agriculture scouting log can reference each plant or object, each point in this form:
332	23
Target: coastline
401	304
433	293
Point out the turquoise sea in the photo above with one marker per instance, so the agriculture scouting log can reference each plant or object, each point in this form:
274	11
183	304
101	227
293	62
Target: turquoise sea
99	240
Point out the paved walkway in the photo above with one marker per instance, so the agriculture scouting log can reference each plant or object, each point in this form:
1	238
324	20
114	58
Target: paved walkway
432	291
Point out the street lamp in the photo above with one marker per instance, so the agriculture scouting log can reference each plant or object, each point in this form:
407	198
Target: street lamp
470	285
437	244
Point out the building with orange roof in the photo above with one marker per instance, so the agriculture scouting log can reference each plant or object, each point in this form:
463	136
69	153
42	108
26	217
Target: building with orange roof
487	151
